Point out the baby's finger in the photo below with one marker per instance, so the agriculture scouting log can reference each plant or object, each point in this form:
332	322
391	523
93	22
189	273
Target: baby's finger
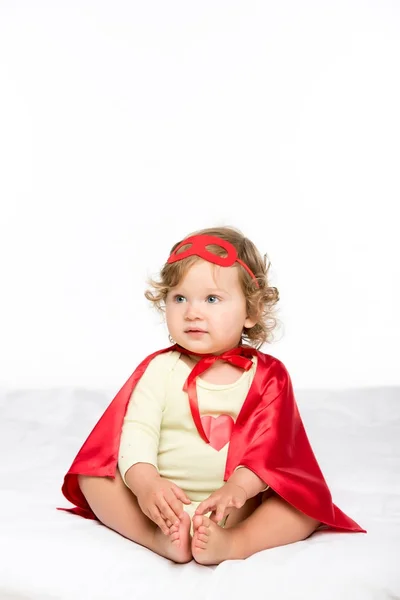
174	504
213	517
220	512
180	494
205	506
168	512
158	520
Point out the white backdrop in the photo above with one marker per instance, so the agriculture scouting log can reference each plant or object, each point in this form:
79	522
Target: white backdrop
127	124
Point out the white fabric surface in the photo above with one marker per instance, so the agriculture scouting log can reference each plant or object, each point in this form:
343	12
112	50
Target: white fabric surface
48	554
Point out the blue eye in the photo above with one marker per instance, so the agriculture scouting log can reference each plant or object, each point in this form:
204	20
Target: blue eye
212	299
179	299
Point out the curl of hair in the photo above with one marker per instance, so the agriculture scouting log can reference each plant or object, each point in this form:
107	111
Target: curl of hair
260	301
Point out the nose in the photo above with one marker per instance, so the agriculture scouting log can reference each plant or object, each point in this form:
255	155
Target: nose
192	312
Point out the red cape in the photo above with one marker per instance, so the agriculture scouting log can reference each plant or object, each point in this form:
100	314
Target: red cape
268	437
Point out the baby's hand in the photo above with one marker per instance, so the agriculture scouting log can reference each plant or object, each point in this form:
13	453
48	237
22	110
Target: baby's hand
161	501
229	496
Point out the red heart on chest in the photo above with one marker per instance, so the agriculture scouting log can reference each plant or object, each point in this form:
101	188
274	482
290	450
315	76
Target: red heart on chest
218	430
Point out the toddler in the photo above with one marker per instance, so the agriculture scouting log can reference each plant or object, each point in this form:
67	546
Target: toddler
202	454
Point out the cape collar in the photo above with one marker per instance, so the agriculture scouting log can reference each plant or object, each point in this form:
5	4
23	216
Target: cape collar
240	356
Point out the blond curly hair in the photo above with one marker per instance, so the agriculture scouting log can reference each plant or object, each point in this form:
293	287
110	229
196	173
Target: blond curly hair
260	301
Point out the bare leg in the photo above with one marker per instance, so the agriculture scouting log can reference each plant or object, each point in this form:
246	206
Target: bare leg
273	523
117	508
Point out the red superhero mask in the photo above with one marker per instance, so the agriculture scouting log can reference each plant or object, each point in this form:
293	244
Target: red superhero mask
198	247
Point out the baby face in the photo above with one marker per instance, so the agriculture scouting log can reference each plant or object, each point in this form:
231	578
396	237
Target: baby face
206	311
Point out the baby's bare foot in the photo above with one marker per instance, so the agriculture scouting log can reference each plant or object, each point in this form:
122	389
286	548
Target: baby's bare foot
211	544
176	545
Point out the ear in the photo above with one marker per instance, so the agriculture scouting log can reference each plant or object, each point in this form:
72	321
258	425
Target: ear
249	322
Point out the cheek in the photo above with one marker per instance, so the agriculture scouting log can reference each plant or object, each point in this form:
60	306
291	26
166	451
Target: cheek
230	319
169	314
173	313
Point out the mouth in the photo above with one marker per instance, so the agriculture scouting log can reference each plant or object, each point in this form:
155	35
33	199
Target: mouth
195	330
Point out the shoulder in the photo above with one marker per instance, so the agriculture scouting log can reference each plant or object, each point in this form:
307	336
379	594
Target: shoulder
153	372
163	362
267	360
273	372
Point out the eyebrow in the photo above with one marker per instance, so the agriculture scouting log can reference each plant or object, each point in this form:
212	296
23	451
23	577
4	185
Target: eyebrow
209	291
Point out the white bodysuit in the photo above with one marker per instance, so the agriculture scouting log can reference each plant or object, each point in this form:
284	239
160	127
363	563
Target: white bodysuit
159	429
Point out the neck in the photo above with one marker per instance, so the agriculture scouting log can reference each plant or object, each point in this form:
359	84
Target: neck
196	356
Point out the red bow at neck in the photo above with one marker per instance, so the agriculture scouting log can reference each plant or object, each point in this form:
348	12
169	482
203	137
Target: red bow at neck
239	357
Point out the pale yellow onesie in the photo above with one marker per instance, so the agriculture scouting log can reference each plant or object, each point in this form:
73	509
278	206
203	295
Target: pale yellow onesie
158	426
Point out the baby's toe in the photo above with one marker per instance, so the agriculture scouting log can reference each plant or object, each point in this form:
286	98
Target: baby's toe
174	535
206	523
204	530
197	521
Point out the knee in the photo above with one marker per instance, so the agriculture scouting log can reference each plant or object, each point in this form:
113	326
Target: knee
82	480
89	484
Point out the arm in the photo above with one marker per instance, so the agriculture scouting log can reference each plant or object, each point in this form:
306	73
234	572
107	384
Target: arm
138	473
242	485
248	481
158	498
142	423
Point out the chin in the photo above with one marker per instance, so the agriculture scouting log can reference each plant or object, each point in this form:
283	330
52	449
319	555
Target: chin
197	346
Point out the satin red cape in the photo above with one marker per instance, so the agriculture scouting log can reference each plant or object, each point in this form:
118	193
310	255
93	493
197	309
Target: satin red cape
268	437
